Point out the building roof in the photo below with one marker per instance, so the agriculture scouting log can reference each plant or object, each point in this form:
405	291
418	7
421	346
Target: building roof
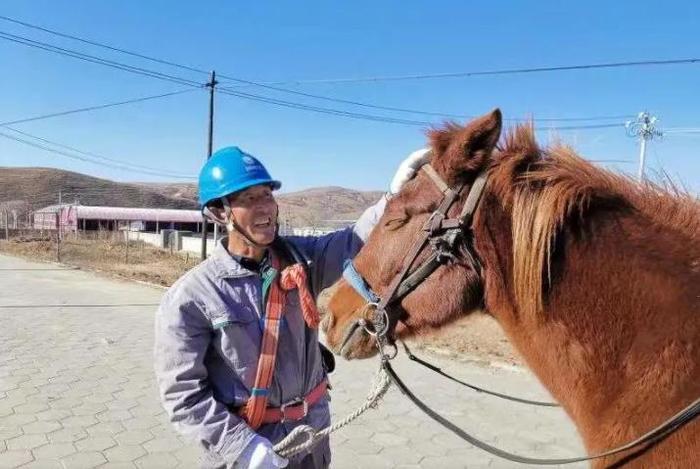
127	213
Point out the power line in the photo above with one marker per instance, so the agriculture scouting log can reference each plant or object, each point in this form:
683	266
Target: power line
121	165
319	109
105	46
276	88
239	94
142	71
94	108
410	111
95	155
390	120
249	96
97	60
582	127
511	71
679	130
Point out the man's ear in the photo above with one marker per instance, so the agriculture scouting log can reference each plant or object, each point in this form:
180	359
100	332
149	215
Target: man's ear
217	214
461	151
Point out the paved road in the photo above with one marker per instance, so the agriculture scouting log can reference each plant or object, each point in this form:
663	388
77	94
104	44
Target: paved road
77	390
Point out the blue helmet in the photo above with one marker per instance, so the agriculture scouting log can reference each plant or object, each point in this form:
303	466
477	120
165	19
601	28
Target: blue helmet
231	170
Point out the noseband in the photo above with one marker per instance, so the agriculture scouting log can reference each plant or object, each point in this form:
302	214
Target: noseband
443	235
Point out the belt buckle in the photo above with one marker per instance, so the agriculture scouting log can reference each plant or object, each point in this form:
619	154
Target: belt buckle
296	402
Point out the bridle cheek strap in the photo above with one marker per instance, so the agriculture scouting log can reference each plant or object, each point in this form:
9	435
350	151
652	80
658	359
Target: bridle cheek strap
439	232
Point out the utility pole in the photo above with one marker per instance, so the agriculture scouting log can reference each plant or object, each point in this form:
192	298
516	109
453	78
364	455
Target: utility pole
644	128
58	228
60	202
210	142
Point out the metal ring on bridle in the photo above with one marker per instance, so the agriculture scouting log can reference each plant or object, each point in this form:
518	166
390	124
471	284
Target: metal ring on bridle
364	322
371	326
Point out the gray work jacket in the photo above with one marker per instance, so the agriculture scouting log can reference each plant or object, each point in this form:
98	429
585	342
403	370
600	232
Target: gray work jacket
208	332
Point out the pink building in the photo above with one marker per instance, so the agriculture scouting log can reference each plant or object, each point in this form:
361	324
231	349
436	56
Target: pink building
83	217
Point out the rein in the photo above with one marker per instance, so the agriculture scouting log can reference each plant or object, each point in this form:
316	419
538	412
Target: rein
443	235
655	435
439	371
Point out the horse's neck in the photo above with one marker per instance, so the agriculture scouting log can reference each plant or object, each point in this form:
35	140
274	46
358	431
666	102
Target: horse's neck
617	341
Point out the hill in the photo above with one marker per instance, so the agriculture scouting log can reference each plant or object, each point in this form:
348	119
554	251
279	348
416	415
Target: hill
34	188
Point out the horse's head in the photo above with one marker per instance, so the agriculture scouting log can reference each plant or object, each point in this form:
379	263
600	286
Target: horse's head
454	285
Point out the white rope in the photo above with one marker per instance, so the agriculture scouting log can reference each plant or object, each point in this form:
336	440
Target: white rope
305	436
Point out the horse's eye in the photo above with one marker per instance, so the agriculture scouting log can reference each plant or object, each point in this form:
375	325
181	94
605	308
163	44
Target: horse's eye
395	223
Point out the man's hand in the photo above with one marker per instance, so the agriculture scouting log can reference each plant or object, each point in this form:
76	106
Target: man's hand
408	168
260	455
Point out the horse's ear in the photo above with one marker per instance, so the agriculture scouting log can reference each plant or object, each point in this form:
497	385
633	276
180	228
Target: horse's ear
464	150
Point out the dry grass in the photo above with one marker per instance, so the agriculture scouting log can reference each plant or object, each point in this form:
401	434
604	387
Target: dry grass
145	262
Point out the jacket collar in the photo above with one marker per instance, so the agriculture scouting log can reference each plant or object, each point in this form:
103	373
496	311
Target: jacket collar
225	265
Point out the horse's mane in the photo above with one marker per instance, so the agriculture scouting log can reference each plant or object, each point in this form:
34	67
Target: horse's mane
552	188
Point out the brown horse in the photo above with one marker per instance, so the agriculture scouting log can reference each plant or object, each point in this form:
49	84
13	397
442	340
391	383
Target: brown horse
594	278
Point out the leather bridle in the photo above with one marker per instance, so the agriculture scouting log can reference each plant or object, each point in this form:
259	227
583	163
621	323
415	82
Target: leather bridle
443	235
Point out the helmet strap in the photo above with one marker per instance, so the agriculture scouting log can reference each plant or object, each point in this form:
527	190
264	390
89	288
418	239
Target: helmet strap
232	226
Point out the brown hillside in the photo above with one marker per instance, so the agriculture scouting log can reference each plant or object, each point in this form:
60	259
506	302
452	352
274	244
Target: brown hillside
39	187
35	188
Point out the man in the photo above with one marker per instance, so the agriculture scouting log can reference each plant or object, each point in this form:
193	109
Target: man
237	357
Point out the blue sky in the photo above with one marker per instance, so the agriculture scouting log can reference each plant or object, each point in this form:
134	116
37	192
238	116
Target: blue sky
286	41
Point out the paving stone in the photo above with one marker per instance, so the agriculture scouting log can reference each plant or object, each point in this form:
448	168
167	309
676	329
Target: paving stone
122	404
17	420
124	453
95	444
162	445
42	427
43	464
67	435
157	461
188	457
389	439
134	437
79	421
7	432
400	455
99	398
89	408
65	403
84	460
27	442
114	416
54	451
53	414
105	428
443	462
31	408
143	423
120	465
361	445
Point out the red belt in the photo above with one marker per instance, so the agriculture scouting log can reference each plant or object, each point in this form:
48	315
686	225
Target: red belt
295	410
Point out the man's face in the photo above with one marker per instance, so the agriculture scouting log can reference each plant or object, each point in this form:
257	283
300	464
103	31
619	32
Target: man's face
255	212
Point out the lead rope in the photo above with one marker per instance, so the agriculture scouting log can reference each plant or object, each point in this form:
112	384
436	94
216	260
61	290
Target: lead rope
304	437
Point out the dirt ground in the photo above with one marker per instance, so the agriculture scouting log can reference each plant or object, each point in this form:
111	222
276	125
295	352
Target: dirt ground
477	338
